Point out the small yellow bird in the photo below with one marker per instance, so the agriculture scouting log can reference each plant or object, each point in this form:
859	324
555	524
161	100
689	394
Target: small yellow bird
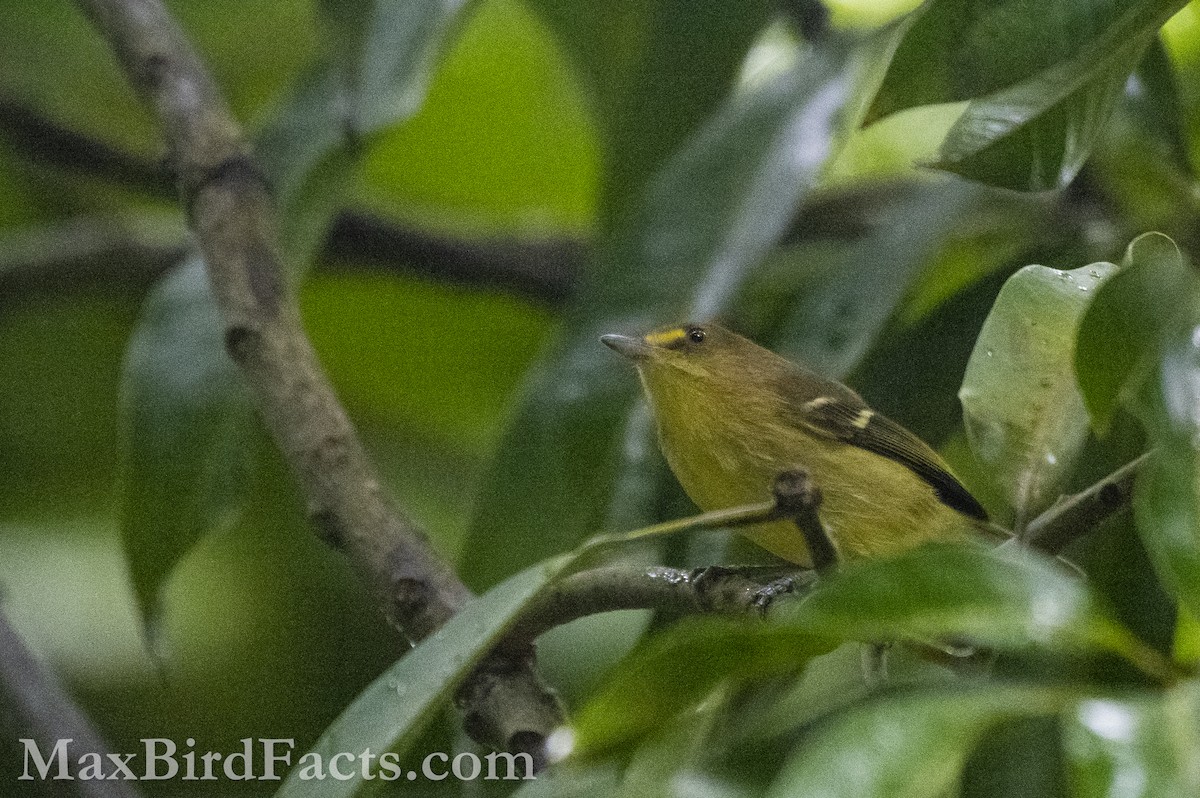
731	415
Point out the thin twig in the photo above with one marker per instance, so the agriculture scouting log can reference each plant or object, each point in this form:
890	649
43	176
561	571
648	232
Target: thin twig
41	140
544	269
1074	516
232	217
111	253
34	706
715	589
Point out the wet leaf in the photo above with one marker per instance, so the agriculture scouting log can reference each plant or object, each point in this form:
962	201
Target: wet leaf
676	670
1122	333
1035	136
1023	410
1041	86
391	713
1135	747
952	590
1139	346
911	745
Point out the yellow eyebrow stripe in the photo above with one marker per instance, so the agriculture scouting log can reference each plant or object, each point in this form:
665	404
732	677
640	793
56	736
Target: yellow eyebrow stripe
666	338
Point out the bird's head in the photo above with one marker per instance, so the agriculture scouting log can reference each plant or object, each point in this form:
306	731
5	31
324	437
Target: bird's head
694	349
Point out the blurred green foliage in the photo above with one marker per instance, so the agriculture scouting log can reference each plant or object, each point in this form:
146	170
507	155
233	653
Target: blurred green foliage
681	159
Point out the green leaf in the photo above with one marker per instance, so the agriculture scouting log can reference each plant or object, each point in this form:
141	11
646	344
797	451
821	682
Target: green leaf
1187	639
1024	413
841	300
1138	347
306	156
1017	757
391	713
185	414
910	746
1041	86
388	50
956	50
956	590
568	780
1123	331
1136	747
381	54
673	751
676	670
1035	136
1167	495
704	223
655	69
1153	96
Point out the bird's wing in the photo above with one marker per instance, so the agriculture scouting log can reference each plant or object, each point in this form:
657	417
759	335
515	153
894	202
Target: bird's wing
845	419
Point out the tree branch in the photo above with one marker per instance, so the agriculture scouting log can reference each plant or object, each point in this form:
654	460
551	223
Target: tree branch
44	141
33	705
715	589
232	218
111	253
1074	516
741	591
542	269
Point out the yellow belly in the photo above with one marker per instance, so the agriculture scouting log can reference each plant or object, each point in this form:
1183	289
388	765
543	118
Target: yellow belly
871	506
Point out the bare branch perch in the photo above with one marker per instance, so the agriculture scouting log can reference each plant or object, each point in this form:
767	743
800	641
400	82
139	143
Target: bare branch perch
1075	516
715	589
675	591
232	218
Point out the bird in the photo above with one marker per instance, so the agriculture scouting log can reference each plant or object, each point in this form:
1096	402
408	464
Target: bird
731	415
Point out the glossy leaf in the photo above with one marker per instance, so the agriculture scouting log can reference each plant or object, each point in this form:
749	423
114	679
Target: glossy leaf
910	745
1041	86
185	415
1135	747
838	304
391	713
1139	347
1122	333
655	70
1035	136
1167	497
706	220
954	590
956	50
1024	413
676	670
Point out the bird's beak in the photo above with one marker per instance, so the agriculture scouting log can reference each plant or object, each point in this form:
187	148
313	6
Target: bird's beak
626	346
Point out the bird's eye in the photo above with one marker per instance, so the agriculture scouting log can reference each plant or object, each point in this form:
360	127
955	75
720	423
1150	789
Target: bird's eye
696	335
